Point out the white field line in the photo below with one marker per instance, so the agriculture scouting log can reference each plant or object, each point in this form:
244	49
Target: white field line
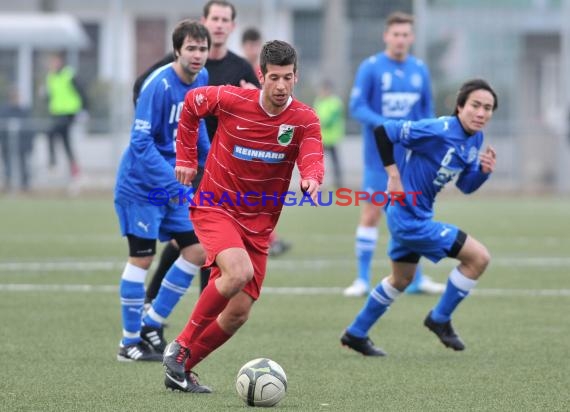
289	264
301	291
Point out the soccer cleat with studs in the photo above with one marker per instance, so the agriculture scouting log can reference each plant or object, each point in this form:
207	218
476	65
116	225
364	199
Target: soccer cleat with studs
445	333
140	352
189	385
154	337
365	346
175	356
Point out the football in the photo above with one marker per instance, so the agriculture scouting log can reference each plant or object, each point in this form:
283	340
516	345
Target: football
261	382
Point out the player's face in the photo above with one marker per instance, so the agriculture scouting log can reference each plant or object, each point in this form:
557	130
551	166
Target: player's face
192	57
277	86
219	23
477	111
398	38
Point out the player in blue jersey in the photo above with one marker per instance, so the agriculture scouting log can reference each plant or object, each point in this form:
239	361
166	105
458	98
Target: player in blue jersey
389	85
439	150
144	179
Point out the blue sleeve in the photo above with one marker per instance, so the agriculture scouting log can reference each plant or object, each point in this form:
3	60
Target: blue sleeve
417	136
203	143
360	96
152	168
471	178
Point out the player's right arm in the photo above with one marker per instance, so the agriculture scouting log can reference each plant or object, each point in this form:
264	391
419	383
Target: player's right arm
361	95
147	128
198	103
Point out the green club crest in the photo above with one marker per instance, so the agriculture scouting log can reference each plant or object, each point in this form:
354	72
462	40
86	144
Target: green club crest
285	134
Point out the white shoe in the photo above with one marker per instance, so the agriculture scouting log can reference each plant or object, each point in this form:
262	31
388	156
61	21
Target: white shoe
430	287
357	289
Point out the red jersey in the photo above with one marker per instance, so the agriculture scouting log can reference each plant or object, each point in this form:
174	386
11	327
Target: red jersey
249	167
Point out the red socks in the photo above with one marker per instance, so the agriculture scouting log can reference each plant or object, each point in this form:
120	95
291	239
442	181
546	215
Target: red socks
211	339
209	305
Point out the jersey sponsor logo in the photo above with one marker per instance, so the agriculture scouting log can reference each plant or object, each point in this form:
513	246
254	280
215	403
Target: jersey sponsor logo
267	156
142	125
398	104
285	134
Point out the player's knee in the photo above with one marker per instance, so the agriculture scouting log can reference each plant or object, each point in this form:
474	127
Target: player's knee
142	262
484	258
240	274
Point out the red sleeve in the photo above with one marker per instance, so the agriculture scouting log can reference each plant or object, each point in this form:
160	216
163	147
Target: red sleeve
198	103
310	160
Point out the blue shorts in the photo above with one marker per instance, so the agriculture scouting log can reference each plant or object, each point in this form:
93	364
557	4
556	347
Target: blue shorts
425	237
152	222
374	179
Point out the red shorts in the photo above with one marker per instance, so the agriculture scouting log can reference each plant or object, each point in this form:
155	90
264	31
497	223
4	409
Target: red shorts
217	232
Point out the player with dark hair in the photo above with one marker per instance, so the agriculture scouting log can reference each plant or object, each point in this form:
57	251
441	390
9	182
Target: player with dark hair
147	165
224	67
439	150
388	85
261	135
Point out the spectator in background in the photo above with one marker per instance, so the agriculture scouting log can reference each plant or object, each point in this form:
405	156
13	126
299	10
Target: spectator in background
330	109
251	45
16	140
66	98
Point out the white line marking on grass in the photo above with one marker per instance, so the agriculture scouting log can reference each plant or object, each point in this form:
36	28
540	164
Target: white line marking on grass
300	291
288	264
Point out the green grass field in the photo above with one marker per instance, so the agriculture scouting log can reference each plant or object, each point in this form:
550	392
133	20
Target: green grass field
61	259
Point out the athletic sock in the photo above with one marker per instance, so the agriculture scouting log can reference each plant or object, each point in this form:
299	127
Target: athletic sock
131	291
174	286
379	300
209	305
212	338
169	255
365	245
457	289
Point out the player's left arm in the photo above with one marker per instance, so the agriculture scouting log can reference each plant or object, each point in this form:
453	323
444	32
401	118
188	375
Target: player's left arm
472	178
310	159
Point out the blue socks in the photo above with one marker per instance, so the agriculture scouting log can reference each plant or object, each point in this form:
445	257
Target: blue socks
379	300
366	239
174	285
131	290
457	289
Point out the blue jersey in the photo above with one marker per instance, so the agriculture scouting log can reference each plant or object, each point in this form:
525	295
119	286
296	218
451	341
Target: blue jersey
149	160
388	89
438	150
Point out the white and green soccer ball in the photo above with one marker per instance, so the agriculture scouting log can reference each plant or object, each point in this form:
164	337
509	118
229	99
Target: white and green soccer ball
261	382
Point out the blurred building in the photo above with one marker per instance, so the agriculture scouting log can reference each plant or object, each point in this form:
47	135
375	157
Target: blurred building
521	46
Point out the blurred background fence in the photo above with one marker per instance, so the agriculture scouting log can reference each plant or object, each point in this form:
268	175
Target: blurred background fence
522	47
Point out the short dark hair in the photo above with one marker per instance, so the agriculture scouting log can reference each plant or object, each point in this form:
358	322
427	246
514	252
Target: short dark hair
469	87
222	3
250	34
189	28
279	53
398	17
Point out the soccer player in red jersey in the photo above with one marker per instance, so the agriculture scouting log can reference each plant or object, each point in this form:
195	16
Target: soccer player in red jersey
261	134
